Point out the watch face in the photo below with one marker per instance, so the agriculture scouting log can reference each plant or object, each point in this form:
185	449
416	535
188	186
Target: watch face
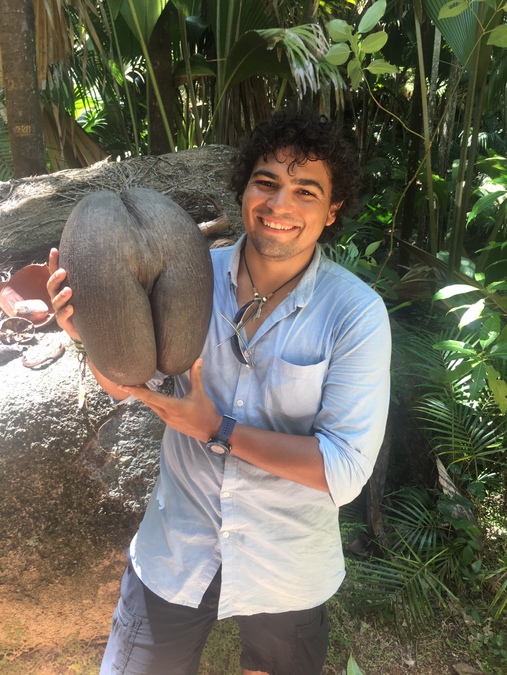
217	448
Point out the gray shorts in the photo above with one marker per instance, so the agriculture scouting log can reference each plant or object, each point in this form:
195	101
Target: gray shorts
151	636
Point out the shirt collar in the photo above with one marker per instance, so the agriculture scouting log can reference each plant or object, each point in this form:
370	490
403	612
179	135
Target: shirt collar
303	291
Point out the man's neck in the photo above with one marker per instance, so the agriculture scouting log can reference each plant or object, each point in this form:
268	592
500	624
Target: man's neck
268	274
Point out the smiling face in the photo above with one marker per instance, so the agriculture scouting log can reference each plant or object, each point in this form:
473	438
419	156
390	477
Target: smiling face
286	207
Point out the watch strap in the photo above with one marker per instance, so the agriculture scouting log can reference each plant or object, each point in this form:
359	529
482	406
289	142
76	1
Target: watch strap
226	428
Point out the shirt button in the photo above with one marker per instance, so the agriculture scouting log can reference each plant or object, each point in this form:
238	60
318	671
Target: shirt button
226	494
239	403
226	535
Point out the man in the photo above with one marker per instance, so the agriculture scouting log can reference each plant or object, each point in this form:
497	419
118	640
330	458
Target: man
271	431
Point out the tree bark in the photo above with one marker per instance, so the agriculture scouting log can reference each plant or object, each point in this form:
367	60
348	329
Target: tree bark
24	113
159	49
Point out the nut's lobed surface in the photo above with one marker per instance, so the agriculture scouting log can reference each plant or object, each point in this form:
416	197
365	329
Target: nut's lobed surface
142	283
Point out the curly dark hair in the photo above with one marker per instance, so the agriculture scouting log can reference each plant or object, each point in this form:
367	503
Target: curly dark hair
311	137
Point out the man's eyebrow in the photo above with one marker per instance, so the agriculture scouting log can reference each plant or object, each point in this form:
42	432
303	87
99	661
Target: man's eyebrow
306	182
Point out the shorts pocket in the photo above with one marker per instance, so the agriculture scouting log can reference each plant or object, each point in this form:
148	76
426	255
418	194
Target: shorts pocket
124	629
311	647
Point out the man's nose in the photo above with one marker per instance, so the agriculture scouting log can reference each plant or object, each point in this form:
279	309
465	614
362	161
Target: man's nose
281	200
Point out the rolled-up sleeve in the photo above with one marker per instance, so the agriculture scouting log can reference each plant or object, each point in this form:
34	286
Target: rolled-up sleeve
350	425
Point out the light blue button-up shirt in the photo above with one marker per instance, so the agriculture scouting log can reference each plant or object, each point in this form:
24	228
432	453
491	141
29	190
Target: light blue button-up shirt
321	368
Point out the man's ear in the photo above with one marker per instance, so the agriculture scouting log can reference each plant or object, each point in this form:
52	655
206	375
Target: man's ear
333	210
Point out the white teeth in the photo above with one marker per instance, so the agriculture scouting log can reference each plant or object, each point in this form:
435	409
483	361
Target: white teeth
277	226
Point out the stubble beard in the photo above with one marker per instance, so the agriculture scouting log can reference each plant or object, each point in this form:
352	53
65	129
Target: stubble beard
273	250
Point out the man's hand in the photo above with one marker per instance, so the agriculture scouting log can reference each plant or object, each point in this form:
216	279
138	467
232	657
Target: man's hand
60	296
194	415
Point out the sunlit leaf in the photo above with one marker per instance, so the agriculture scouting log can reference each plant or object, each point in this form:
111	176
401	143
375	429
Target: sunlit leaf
457	346
485	201
458	372
498	388
338	54
381	67
490	330
374	42
352	667
450	291
499	350
453	8
496	286
370	250
339	30
372	16
498	36
355	73
472	313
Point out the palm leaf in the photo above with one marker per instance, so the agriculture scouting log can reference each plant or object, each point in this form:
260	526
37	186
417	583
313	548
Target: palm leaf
54	33
497	83
405	587
463	434
498	581
250	56
415	354
414	523
305	47
147	12
458	31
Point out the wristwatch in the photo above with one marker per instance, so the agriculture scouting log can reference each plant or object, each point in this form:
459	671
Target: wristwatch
219	444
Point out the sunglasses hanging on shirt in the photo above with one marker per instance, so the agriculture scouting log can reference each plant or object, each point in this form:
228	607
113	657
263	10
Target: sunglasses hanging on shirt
238	343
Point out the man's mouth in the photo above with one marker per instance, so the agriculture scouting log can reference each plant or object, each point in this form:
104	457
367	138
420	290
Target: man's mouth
276	226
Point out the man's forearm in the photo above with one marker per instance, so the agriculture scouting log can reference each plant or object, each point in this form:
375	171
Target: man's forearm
109	387
296	458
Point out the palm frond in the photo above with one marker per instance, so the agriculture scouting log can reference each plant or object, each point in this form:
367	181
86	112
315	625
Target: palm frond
305	47
404	587
462	433
498	583
414	522
415	354
459	31
54	32
497	82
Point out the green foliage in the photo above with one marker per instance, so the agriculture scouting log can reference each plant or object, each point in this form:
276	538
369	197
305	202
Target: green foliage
477	362
437	547
352	48
364	265
352	667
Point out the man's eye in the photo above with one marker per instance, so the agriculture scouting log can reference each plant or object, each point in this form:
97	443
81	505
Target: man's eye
306	193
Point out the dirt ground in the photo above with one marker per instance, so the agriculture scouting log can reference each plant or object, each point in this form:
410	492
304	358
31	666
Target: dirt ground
42	621
61	628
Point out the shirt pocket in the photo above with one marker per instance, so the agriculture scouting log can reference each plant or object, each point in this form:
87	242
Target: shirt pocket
295	391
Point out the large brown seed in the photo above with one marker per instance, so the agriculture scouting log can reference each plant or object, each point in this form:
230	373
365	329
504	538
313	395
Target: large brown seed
142	283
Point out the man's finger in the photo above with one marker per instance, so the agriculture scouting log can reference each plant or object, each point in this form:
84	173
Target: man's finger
196	375
53	260
148	396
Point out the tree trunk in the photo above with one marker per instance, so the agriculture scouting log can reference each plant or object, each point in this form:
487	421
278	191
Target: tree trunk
24	113
432	96
447	128
159	49
413	158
